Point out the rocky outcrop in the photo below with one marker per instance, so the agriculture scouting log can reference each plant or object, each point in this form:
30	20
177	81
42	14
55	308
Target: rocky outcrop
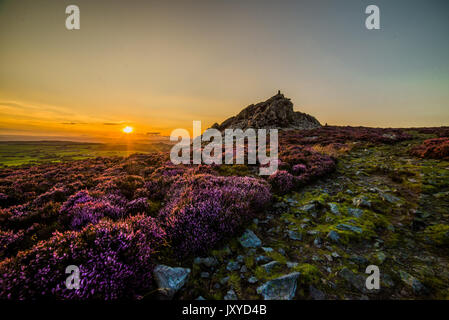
275	113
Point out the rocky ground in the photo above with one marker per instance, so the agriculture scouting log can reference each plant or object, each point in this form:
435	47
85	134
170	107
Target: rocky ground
381	207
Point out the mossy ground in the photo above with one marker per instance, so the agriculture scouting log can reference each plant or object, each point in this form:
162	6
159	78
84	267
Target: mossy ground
400	223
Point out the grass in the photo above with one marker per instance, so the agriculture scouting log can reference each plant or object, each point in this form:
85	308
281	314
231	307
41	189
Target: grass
37	152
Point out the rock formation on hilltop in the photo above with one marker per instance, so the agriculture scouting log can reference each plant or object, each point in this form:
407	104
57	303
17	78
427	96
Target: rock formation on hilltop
275	113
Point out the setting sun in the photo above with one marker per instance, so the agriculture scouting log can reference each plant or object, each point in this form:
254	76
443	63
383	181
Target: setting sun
128	129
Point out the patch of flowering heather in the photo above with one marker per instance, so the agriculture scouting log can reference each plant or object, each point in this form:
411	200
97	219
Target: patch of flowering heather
115	261
205	209
282	181
306	163
440	132
82	209
8	241
432	149
333	134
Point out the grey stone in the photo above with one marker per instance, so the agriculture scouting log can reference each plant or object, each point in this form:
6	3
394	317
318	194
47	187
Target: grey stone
359	260
263	259
230	295
282	288
243	269
200	298
224	280
205	275
233	266
333	235
308	207
291	264
411	281
334	208
170	279
250	240
356	280
361	201
252	279
208	262
316	294
348	227
355	212
294	235
390	198
268	267
267	249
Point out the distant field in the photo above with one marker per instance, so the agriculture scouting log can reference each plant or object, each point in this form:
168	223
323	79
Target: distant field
14	153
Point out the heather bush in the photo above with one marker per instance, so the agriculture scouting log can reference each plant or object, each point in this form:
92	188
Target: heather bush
282	181
432	149
114	260
205	209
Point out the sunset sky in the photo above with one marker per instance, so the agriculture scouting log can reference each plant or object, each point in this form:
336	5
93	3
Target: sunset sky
159	65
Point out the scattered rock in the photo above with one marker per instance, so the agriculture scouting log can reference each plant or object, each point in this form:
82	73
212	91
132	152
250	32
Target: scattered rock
294	235
250	240
414	283
208	262
355	212
282	288
356	280
348	227
233	266
334	208
263	259
333	235
252	279
268	267
230	295
361	202
316	294
169	279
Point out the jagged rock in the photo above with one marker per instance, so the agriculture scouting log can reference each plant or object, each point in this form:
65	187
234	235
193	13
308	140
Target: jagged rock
294	235
250	240
224	280
169	279
208	262
233	266
282	288
230	295
361	202
334	208
274	113
252	279
356	280
355	212
411	281
270	266
316	294
333	235
263	259
348	227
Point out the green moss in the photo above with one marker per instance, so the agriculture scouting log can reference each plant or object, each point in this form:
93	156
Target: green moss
309	274
438	234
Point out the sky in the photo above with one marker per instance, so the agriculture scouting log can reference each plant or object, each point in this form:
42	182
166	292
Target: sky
159	65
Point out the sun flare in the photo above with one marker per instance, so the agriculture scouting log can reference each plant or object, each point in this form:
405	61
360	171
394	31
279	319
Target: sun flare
128	129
